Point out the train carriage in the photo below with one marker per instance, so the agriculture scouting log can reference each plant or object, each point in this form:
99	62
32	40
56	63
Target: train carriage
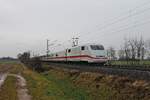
91	53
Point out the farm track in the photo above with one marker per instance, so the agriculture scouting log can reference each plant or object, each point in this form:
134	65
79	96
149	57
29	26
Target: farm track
7	71
21	87
2	78
127	71
3	74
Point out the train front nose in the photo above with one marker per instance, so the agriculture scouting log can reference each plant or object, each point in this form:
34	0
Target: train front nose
99	56
100	59
99	53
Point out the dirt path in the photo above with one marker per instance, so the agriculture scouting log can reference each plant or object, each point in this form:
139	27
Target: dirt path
2	78
4	70
21	88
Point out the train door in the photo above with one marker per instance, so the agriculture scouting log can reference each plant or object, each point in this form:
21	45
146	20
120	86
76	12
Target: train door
66	54
84	53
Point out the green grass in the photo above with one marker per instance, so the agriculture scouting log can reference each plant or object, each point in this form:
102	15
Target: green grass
9	61
49	87
36	85
137	63
8	90
55	85
65	89
59	84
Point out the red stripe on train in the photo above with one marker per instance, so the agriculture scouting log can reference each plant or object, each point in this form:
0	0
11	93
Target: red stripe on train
79	57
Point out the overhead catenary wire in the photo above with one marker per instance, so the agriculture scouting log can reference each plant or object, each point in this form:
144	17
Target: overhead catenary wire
114	31
120	19
125	25
126	28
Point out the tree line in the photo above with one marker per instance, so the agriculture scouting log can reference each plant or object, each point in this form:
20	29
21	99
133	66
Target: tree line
131	49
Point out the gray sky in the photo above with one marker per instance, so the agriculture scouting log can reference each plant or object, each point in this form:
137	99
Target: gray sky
26	24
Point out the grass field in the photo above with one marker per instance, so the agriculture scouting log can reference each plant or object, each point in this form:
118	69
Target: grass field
8	90
63	84
49	87
131	63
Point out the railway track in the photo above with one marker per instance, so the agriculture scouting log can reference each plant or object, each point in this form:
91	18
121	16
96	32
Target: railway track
131	72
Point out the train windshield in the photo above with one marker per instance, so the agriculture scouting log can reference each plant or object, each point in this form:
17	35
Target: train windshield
97	47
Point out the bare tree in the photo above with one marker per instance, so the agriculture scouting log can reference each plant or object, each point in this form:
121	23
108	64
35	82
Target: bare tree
111	52
147	48
132	44
121	54
24	57
134	49
143	52
147	44
126	49
140	48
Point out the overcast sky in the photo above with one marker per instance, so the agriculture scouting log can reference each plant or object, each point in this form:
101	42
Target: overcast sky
26	24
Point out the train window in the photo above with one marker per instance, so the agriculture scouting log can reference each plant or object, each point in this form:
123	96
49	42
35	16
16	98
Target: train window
69	50
97	47
87	48
82	48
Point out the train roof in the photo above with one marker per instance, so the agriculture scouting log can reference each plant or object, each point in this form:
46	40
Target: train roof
93	44
87	44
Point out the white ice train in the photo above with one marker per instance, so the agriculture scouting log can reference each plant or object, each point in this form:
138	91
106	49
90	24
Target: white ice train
91	53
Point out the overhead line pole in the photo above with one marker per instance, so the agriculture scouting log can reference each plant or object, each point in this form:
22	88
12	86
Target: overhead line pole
48	45
47	49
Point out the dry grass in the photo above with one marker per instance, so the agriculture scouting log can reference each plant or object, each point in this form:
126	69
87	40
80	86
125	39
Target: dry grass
64	84
107	87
